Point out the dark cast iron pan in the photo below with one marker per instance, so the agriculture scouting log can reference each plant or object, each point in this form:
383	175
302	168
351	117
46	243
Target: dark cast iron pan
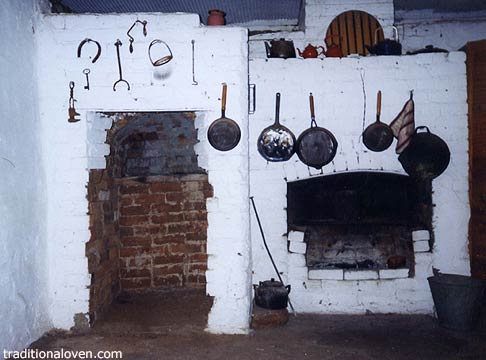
426	157
378	136
276	142
316	146
224	134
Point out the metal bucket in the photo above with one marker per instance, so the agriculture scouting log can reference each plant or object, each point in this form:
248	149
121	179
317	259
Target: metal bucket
457	300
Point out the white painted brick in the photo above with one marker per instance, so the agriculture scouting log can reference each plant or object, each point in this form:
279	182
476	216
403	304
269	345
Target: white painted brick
96	163
66	153
421	246
360	275
297	247
313	285
297	260
329	274
393	273
420	235
298	273
98	150
297	236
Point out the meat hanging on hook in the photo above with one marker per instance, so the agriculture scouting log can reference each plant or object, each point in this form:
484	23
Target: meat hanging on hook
131	39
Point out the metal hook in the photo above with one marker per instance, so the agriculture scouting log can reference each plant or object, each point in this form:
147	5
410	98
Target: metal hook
194	82
98	53
118	44
131	39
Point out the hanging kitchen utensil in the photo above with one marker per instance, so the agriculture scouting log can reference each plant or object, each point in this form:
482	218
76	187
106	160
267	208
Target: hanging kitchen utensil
131	39
98	53
387	46
378	136
276	142
163	59
72	111
118	44
267	296
194	82
224	134
316	146
280	48
426	157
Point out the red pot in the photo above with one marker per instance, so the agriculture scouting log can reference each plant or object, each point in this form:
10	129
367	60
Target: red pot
216	17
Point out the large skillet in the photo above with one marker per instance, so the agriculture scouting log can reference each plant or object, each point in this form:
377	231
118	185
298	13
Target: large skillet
224	134
276	142
316	146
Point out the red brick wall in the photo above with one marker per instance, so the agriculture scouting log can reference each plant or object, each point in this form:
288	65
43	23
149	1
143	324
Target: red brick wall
103	247
163	223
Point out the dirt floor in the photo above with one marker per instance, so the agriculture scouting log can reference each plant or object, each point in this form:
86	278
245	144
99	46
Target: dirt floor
170	325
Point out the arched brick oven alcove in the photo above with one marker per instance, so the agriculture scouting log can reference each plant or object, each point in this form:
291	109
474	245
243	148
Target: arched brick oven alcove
148	217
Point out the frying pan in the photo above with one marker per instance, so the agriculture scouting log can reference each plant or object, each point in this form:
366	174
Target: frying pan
378	136
316	146
224	134
276	142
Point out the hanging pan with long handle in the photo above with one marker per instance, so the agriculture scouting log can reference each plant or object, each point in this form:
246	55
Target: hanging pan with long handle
276	142
378	136
224	134
316	146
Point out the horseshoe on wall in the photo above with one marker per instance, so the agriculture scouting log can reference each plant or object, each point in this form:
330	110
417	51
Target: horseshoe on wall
87	41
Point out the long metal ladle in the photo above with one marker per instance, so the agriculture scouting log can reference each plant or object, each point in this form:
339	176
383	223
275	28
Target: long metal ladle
118	44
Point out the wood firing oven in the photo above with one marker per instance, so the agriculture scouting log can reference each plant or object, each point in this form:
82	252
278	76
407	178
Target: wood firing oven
359	220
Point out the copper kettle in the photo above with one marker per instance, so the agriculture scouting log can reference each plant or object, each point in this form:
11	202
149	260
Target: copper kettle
311	51
333	50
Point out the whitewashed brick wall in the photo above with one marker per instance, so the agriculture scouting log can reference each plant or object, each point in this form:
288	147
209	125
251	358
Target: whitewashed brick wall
449	31
439	84
70	149
318	16
23	278
320	13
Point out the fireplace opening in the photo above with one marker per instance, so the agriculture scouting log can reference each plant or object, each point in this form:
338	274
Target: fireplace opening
148	221
359	220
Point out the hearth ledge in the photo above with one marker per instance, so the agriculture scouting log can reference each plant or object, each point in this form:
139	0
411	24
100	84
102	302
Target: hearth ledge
388	274
329	274
361	275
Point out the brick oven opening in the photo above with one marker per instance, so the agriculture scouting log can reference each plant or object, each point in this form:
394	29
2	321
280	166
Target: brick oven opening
148	217
359	220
